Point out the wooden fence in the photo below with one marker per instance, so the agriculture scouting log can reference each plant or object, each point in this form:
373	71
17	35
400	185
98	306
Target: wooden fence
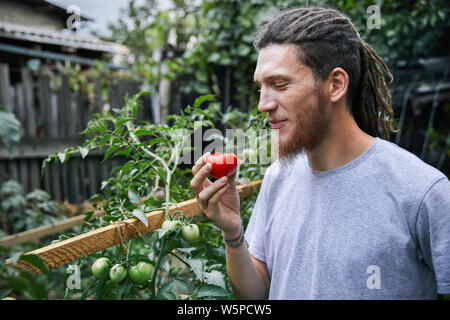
66	251
52	115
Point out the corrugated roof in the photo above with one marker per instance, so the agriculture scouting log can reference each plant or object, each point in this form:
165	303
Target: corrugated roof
67	39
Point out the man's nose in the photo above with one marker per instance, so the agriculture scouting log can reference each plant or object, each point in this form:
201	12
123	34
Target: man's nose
266	102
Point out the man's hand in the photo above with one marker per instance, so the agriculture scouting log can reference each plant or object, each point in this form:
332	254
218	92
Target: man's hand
220	200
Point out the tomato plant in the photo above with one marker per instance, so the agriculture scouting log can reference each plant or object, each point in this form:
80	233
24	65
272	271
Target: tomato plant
174	261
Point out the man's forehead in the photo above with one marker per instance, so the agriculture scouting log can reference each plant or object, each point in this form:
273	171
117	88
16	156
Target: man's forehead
277	60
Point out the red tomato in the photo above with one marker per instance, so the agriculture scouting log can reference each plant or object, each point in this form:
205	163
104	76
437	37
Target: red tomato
223	164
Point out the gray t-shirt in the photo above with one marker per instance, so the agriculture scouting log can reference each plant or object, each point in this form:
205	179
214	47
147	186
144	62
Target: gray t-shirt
375	228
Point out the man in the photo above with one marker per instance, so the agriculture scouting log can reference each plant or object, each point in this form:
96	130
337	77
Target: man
343	214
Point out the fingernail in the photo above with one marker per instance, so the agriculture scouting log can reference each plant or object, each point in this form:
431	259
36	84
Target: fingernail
223	180
208	166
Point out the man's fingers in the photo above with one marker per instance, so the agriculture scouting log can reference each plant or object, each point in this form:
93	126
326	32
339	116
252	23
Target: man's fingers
200	174
205	196
231	180
197	183
216	197
200	163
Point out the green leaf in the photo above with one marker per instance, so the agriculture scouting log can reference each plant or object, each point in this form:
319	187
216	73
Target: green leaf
158	140
96	198
214	57
134	197
196	267
85	293
15	256
138	213
122	122
106	138
215	277
126	168
35	260
4	293
83	152
161	232
202	99
186	250
122	289
9	130
182	285
210	290
110	151
35	290
142	132
16	283
95	125
61	156
167	291
143	93
88	215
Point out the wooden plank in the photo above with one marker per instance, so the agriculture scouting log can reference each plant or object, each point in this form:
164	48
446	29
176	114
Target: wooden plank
53	116
113	96
82	113
83	185
45	110
98	104
35	174
37	233
28	97
24	175
65	177
66	251
71	120
75	181
64	101
20	107
47	179
14	170
55	175
6	99
92	176
41	148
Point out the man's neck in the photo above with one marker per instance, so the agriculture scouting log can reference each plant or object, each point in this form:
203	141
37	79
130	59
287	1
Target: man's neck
344	144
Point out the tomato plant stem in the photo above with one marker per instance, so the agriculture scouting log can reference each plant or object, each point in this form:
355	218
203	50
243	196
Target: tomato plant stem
158	262
129	249
179	258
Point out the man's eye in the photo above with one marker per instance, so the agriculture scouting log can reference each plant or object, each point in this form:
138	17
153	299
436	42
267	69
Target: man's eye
280	85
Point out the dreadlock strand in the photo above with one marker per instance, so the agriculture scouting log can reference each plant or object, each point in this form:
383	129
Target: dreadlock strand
381	78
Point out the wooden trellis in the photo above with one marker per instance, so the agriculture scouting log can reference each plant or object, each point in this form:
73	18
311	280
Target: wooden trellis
40	232
64	252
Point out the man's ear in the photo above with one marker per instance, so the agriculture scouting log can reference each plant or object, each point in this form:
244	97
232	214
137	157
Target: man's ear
337	84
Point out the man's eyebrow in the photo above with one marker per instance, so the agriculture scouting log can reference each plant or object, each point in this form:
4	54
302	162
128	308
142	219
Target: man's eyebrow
275	77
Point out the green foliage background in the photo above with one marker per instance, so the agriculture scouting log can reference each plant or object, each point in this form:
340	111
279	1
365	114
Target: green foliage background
199	40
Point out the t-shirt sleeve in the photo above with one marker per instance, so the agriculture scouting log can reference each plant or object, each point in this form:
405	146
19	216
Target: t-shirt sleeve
433	228
255	232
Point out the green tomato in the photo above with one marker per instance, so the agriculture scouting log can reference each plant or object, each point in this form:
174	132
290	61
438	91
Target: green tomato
9	298
190	232
170	225
100	267
117	273
141	272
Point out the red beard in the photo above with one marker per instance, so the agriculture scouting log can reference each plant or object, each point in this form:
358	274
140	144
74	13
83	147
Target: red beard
312	125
